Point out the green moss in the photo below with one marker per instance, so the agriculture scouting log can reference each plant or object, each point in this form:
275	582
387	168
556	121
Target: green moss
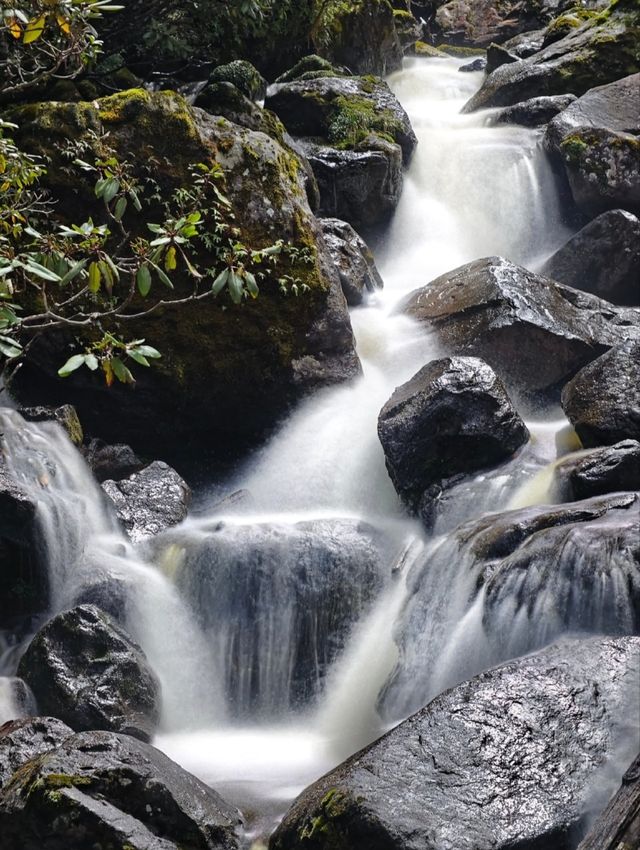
460	52
64	780
324	829
244	77
354	118
574	148
422	49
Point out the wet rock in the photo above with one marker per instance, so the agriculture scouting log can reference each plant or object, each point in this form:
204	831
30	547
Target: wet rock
311	67
84	670
606	470
452	417
521	46
501	312
600	51
602	402
280	600
353	259
66	416
499	54
109	462
602	258
496	762
534	112
478	64
362	186
618	827
243	76
149	501
23	740
597	141
477	23
108	789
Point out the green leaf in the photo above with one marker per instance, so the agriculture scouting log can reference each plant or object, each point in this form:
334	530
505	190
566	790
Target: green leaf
121	372
135	199
74	271
220	282
138	357
71	365
252	284
91	361
235	287
95	277
40	271
121	208
148	351
163	277
143	280
9	347
111	189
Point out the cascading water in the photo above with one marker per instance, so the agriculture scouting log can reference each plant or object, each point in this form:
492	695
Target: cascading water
274	623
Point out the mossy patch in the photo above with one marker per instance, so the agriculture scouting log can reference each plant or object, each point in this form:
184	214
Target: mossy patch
324	829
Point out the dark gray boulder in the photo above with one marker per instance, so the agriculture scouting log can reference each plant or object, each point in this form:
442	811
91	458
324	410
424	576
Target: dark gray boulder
534	112
454	416
596	140
600	51
66	416
478	64
149	501
353	259
84	670
603	400
500	761
618	827
507	315
23	740
609	469
603	258
520	46
109	790
111	462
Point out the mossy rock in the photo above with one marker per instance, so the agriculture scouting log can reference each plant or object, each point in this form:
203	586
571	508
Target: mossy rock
227	372
312	65
421	48
244	77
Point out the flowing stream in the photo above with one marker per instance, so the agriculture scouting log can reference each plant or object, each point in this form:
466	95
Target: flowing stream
275	625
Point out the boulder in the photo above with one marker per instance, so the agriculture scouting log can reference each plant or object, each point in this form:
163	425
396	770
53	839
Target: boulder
243	76
110	462
149	501
501	312
310	68
478	64
353	259
515	580
497	762
609	469
601	50
226	375
597	140
452	417
602	402
603	258
478	23
23	740
618	827
534	112
519	47
109	790
84	670
66	416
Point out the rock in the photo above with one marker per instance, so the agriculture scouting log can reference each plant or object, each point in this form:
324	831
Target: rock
362	186
496	762
280	600
499	54
342	110
66	416
522	46
84	670
111	462
602	258
226	375
618	827
453	416
597	141
516	580
149	501
421	48
534	112
506	315
600	51
606	470
243	76
477	23
310	68
602	402
23	740
478	64
100	788
353	259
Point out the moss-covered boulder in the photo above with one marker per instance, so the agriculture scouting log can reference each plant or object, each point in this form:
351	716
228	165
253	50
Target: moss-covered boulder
604	48
244	77
597	140
228	372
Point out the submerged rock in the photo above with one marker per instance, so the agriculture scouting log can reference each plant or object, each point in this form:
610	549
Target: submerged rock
507	315
534	112
597	141
353	259
618	827
597	472
602	402
100	788
452	417
496	762
149	501
23	740
602	258
84	670
600	51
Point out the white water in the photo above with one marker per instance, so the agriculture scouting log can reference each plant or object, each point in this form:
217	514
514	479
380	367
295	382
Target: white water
229	672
